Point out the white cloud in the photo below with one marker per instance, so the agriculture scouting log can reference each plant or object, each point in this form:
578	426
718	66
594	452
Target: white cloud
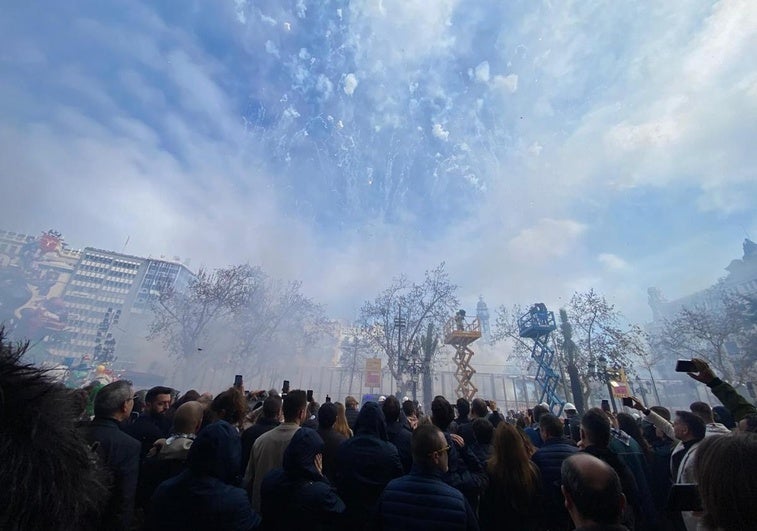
481	73
548	238
271	48
508	83
439	132
350	84
612	262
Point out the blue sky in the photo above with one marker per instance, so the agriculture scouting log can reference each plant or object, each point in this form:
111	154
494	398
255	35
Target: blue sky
536	147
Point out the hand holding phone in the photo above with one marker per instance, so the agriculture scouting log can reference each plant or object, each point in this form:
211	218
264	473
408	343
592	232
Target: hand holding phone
285	387
605	405
628	401
685	366
701	372
238	381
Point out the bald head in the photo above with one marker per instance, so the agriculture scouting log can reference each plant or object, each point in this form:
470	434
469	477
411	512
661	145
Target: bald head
188	417
592	490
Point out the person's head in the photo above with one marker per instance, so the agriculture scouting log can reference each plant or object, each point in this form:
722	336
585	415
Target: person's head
51	480
592	491
725	472
478	409
595	428
139	401
216	452
442	413
303	457
295	406
115	400
230	405
313	407
550	426
748	424
722	415
688	427
409	409
463	408
370	421
158	400
570	410
190	396
703	411
538	411
629	425
510	462
272	407
350	402
188	418
430	448
327	415
391	408
483	430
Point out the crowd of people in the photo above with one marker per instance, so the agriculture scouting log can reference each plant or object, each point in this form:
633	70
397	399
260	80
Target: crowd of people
160	460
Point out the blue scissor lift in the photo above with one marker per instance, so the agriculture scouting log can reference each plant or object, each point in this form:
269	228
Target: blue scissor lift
538	324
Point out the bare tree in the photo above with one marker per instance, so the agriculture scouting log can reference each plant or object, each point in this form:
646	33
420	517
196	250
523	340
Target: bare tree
182	318
399	314
356	347
276	318
724	334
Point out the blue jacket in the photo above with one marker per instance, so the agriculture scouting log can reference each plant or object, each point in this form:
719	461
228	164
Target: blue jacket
297	495
549	459
422	501
365	464
203	496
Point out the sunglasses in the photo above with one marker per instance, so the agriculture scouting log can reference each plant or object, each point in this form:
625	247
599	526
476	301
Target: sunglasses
445	450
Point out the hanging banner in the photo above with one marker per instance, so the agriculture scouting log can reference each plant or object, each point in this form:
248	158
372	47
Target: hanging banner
373	372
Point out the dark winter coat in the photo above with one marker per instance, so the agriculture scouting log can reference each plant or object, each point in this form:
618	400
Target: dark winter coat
203	496
402	439
297	495
147	429
351	415
629	451
364	465
422	501
119	452
466	473
549	459
332	440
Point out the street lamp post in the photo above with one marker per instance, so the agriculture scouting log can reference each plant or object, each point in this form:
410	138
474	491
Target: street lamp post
598	370
399	323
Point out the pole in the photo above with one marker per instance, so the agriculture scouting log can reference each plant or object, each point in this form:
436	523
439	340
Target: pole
354	363
654	386
612	397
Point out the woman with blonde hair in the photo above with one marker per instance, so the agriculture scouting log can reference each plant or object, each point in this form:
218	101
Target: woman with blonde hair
341	426
511	499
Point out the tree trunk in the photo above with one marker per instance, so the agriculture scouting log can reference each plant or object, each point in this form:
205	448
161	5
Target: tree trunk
576	388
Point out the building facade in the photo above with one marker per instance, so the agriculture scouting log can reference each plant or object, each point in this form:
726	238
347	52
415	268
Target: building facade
106	291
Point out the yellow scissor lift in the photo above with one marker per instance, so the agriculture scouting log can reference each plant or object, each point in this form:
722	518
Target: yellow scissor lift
460	334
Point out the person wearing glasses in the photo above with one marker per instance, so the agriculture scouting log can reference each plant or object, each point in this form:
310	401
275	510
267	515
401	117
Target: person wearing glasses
118	451
422	500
